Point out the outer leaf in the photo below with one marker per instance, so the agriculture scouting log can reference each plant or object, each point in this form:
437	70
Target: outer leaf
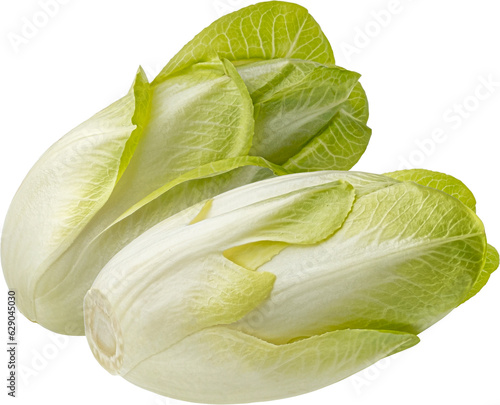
66	188
405	257
218	365
440	181
267	30
143	95
294	101
197	117
459	190
341	143
490	265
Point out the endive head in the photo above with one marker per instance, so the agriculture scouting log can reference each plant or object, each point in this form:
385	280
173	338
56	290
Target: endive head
284	100
286	285
309	113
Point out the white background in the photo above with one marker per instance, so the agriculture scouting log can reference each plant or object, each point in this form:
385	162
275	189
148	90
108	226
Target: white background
419	65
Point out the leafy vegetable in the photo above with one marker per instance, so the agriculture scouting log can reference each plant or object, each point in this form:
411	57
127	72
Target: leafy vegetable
284	286
221	258
269	89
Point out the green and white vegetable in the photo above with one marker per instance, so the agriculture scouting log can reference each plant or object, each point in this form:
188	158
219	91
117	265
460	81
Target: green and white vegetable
258	83
284	286
203	234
